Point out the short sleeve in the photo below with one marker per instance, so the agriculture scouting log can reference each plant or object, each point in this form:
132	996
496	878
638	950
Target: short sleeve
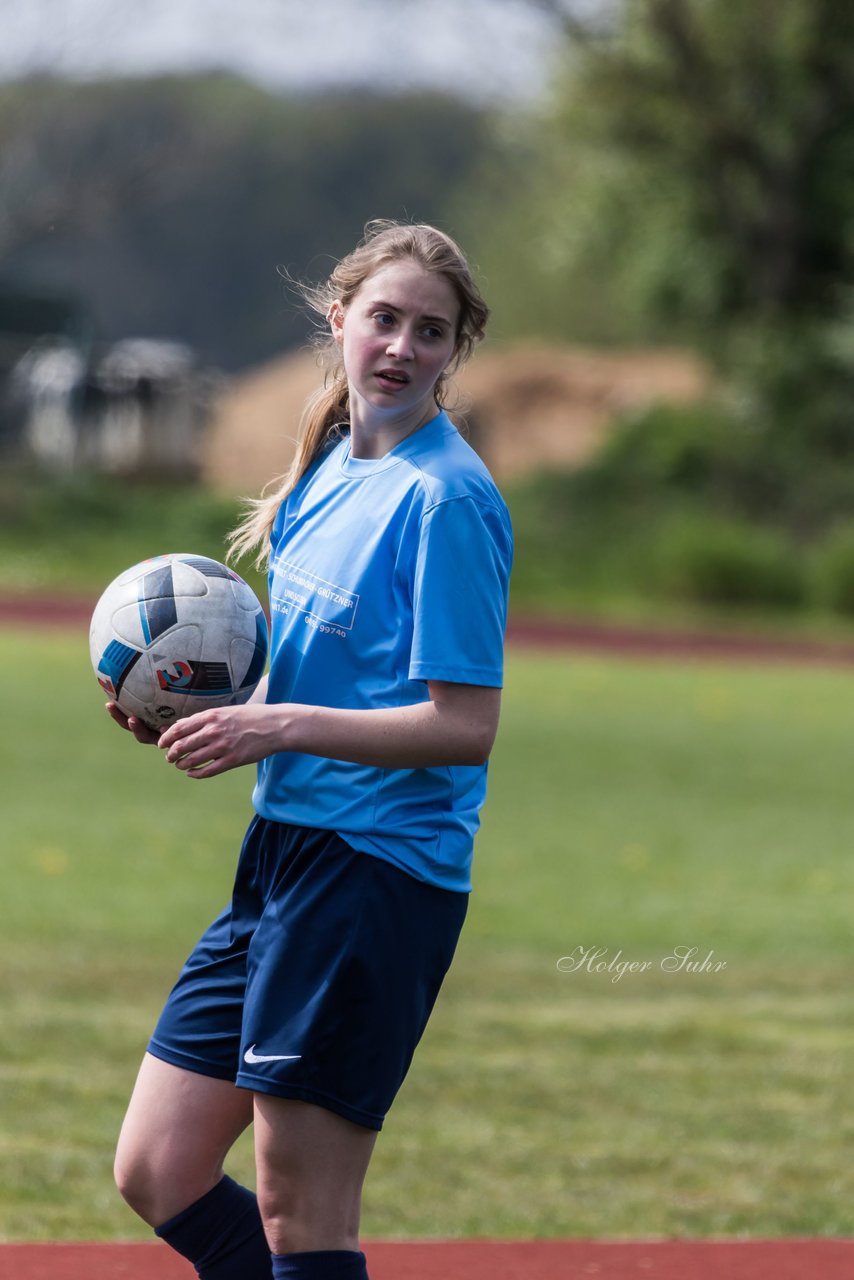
462	574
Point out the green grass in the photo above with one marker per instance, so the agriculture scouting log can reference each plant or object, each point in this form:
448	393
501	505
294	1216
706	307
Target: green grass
633	807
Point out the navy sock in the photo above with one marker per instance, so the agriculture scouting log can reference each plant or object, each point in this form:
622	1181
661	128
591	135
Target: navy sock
222	1235
324	1264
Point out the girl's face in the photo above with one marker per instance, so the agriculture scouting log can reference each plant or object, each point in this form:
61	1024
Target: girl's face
397	335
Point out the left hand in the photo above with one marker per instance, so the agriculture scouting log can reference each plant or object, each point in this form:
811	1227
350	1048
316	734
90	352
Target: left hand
215	741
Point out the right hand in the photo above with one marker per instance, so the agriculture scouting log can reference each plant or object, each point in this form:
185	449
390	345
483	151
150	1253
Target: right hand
140	730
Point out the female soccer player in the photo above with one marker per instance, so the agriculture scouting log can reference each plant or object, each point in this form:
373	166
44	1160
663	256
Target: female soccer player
388	548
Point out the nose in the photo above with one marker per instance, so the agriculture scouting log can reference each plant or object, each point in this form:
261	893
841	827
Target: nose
400	345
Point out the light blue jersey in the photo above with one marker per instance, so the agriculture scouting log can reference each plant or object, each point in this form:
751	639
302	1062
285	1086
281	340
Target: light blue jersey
384	574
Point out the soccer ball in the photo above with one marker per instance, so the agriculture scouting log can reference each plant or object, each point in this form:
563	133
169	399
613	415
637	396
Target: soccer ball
177	634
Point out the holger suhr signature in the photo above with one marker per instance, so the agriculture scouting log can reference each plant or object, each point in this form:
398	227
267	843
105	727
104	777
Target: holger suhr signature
596	960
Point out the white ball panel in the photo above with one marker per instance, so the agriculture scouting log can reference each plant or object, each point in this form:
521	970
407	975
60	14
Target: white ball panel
127	625
188	581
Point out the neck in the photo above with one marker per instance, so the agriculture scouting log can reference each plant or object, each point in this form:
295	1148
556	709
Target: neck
373	435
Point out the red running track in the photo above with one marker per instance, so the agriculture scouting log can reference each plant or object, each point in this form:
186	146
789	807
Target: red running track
829	1259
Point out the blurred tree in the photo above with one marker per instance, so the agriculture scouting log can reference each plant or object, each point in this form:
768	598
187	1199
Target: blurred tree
692	180
739	119
697	161
68	163
168	203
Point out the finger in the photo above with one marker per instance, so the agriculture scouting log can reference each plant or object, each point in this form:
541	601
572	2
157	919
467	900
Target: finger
209	769
183	729
183	748
173	734
195	751
132	724
191	760
115	713
141	731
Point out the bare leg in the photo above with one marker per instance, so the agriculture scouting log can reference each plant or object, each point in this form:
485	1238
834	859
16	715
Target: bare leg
311	1165
177	1132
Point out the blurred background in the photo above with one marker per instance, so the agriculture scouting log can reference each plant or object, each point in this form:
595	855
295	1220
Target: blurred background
658	197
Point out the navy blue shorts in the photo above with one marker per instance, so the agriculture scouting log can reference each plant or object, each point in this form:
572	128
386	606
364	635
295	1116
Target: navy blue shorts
318	980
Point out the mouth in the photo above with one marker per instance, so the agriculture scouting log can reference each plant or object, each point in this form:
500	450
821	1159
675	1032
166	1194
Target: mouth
392	377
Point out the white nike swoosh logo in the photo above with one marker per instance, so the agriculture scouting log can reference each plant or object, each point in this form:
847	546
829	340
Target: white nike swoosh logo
251	1056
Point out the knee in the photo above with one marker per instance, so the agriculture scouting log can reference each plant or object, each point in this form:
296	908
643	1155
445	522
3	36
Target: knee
137	1183
282	1212
157	1183
298	1216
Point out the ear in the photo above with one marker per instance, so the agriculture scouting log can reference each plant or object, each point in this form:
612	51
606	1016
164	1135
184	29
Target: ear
335	316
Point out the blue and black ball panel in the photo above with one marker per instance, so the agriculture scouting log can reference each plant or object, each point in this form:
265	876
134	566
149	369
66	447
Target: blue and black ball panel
157	609
210	568
115	665
259	657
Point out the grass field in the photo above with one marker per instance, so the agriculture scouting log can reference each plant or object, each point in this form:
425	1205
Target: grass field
633	808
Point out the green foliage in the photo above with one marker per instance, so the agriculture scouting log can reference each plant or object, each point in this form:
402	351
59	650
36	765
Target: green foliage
691	174
540	1102
799	384
653	525
73	534
719	561
833	570
702	451
750	459
692	180
719	503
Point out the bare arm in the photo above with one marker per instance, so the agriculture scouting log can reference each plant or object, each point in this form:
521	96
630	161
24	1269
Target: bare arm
260	694
456	726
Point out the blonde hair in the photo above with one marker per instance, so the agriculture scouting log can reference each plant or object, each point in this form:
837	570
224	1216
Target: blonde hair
327	411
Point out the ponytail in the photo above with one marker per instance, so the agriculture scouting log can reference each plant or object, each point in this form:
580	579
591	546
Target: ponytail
325	413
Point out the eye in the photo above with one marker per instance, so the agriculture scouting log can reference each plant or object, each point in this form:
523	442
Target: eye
384	319
433	332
